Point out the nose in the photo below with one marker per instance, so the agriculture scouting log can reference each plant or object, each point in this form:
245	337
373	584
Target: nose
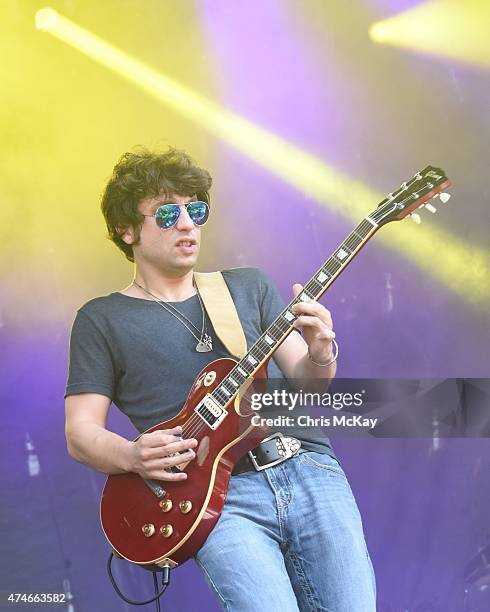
184	222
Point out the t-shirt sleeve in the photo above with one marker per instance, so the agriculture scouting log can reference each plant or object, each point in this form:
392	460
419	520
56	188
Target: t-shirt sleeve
90	366
271	302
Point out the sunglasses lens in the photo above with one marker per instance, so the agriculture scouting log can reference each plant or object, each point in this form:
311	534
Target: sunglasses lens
167	215
198	212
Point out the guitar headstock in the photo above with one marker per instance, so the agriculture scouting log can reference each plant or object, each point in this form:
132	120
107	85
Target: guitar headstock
426	185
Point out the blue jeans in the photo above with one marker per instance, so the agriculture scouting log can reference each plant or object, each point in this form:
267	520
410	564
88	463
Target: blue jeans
290	538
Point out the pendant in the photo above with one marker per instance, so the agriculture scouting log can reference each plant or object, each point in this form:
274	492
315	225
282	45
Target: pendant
205	344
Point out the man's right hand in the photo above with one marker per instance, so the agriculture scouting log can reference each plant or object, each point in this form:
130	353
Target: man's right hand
151	454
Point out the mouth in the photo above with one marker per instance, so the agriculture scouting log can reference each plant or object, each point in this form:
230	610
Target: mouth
186	246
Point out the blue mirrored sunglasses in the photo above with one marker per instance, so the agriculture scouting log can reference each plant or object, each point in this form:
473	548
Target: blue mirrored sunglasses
167	215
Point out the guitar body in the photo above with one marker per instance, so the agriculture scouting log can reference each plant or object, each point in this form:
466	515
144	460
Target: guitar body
128	504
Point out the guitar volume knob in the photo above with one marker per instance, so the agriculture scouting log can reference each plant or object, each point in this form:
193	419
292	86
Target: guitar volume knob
185	506
166	505
166	530
148	529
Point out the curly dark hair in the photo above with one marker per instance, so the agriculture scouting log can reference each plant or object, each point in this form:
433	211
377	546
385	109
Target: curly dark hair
145	173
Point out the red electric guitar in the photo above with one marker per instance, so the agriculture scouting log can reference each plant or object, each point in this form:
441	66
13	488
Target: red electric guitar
157	523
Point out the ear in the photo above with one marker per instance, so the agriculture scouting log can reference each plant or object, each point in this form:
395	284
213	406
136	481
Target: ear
126	233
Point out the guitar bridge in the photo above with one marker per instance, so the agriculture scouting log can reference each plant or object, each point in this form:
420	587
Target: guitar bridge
210	412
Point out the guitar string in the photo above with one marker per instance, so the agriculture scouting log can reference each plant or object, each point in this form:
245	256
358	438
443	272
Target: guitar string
347	243
350	243
195	424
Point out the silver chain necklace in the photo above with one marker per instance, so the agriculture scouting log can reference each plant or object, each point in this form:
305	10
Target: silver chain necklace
204	342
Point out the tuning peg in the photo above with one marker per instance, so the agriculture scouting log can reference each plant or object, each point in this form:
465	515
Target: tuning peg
444	197
416	218
430	208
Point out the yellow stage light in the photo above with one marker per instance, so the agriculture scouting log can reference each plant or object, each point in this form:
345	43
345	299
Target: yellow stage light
450	28
462	268
377	32
46	18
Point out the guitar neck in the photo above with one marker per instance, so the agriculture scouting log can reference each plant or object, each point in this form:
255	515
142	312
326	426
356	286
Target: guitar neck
425	185
282	326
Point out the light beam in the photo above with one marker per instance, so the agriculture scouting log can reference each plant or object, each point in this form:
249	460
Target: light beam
458	29
462	268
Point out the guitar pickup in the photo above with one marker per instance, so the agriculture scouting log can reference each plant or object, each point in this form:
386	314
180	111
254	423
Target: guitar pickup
210	411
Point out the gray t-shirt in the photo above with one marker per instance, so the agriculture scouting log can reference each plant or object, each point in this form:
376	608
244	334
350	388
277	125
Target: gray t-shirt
137	354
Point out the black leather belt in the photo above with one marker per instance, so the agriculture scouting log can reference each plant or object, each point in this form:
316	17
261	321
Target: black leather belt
272	451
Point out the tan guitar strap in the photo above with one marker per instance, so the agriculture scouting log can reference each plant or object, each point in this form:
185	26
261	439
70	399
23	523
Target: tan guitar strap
222	311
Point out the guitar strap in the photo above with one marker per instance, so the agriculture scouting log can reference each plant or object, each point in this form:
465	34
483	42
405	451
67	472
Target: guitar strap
222	311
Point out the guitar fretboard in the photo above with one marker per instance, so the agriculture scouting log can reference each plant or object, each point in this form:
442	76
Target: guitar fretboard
280	328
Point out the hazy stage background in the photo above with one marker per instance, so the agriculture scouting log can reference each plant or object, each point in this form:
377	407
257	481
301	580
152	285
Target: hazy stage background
354	119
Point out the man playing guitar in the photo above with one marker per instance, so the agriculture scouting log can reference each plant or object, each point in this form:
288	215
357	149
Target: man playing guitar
290	535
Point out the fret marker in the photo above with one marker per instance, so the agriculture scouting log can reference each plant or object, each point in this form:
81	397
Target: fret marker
304	297
242	372
341	254
322	277
251	359
233	382
289	315
225	391
268	339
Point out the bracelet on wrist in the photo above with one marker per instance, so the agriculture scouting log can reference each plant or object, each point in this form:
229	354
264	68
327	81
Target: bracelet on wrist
334	356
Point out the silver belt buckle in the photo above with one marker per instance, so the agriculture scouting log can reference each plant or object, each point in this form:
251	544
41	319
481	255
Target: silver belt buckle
286	447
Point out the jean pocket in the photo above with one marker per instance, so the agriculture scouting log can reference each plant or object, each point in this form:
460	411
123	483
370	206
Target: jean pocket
322	461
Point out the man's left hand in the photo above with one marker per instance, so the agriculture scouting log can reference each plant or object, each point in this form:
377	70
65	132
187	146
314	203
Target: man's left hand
316	323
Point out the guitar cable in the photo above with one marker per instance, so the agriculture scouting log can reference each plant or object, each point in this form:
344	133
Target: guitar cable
165	583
